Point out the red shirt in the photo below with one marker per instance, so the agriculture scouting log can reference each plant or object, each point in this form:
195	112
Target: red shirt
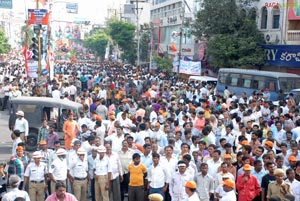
247	190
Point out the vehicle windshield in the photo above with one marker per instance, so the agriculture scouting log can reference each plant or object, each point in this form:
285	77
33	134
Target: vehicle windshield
287	84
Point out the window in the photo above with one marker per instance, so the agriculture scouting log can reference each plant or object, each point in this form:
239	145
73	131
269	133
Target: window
264	18
276	18
234	79
246	81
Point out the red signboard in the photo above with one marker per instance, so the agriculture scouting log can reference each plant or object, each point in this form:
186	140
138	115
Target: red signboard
294	9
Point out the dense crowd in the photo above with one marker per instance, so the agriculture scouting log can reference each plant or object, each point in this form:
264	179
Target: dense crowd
150	136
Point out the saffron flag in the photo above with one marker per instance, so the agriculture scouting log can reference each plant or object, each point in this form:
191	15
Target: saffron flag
45	20
173	47
32	18
25	58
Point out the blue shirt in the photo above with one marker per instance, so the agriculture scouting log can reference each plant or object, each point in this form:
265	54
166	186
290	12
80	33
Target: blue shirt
259	175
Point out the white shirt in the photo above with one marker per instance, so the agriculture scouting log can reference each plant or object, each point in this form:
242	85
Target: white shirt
22	125
205	185
116	166
176	187
58	169
116	141
102	166
86	145
229	196
126	159
194	197
78	168
170	164
15	145
295	188
141	136
91	161
158	176
14	193
213	167
36	173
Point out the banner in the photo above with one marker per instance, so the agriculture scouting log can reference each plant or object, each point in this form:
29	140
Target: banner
188	67
39	14
72	8
294	9
282	55
32	69
7	4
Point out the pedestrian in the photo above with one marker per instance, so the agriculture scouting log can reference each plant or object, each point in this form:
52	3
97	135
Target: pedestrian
247	185
14	182
138	173
228	187
36	174
58	169
279	187
190	189
70	129
205	183
78	175
21	124
61	194
102	175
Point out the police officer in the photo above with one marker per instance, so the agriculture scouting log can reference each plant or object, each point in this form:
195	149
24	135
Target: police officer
78	175
58	169
36	173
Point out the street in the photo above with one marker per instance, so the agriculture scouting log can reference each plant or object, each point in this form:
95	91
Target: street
6	141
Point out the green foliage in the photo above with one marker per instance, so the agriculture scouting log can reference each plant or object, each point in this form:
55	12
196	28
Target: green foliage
4	45
233	37
145	42
29	31
164	63
122	33
97	42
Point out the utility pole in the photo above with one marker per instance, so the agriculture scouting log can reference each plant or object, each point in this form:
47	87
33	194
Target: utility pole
180	36
39	46
137	8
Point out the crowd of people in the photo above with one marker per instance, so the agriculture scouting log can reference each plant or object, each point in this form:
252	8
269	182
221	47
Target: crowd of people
145	136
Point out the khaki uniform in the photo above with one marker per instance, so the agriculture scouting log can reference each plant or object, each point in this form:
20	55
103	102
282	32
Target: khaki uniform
36	176
275	189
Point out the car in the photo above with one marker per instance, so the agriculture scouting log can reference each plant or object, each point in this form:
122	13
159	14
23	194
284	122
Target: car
36	109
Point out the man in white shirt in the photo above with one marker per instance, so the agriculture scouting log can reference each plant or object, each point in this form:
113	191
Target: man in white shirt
102	174
290	173
116	139
228	187
190	189
158	176
21	124
16	140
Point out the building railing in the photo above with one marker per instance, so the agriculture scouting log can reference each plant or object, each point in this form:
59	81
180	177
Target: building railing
293	35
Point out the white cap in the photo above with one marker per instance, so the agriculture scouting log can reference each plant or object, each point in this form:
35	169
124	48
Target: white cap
101	149
36	154
81	151
20	113
60	152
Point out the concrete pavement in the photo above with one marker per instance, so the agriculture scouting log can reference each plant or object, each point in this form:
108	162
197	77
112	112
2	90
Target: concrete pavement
5	139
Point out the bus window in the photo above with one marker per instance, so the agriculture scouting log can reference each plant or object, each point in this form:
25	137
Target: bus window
234	79
223	77
247	83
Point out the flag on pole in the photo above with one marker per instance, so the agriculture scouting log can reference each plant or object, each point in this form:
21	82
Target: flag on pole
25	58
45	20
32	18
173	47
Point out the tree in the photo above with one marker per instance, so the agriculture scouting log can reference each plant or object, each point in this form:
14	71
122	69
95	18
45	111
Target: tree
145	42
164	63
4	45
233	37
97	42
122	33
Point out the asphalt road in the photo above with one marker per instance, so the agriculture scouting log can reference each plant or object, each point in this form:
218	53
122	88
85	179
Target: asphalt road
5	139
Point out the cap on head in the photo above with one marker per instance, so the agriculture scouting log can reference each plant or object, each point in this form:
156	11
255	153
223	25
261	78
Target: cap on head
101	149
19	148
278	171
43	142
269	143
229	183
247	167
20	113
227	156
61	152
292	159
191	184
81	151
36	154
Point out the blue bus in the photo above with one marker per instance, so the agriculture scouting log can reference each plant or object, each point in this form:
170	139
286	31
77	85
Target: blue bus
242	80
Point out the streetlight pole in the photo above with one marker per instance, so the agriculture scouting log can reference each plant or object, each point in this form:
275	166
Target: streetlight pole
39	46
137	8
180	36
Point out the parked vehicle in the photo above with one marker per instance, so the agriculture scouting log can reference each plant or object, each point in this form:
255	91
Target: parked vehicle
36	109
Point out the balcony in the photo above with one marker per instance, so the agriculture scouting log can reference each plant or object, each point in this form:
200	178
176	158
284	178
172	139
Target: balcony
293	37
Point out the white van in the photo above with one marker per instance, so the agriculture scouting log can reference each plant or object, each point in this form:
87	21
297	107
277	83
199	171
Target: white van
200	79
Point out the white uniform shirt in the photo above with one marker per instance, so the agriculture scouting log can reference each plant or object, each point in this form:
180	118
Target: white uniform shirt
58	169
102	166
22	126
36	173
158	176
78	168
